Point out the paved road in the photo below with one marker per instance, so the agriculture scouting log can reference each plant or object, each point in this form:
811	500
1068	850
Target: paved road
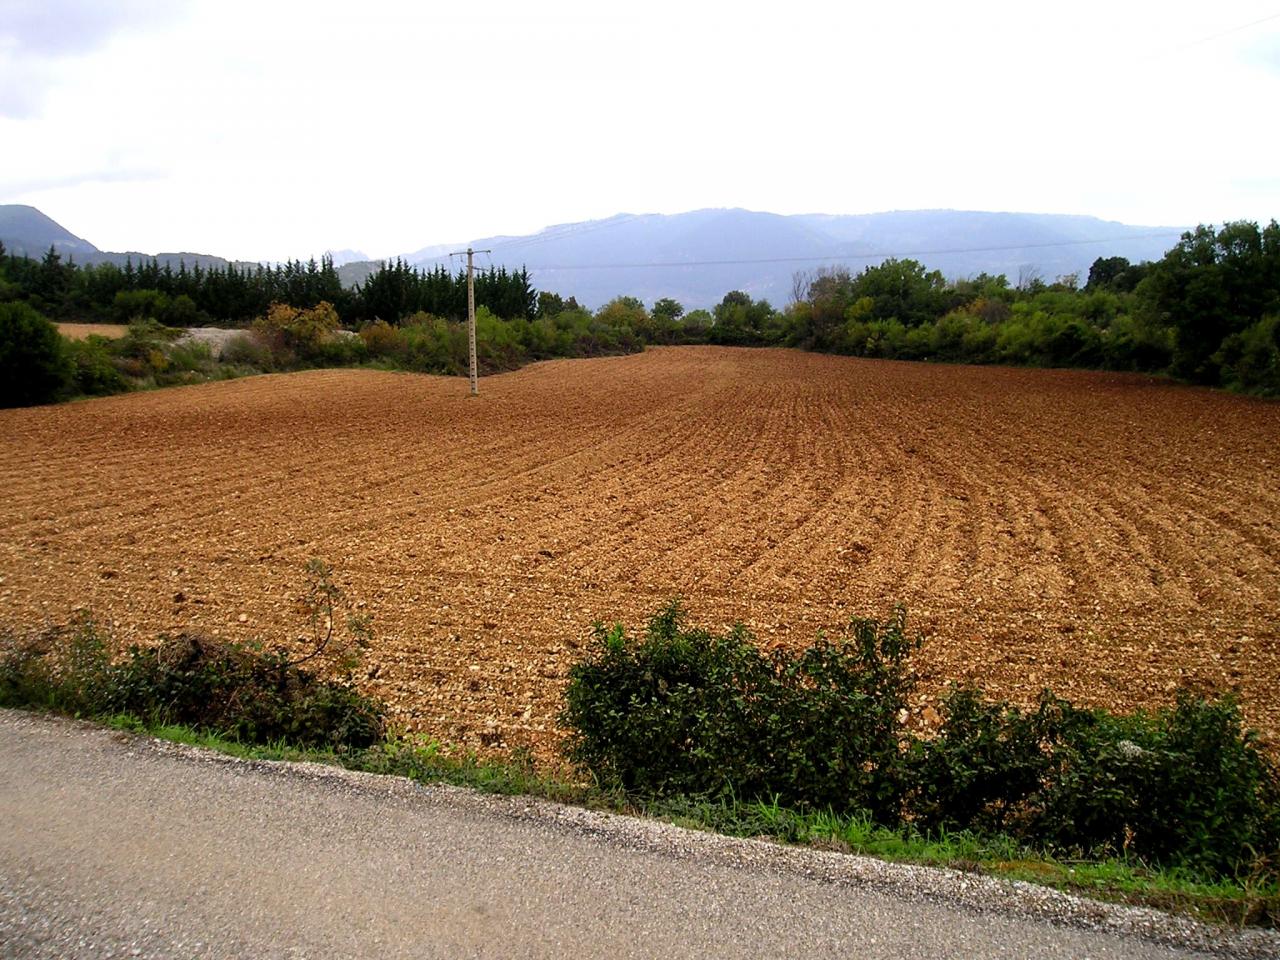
112	845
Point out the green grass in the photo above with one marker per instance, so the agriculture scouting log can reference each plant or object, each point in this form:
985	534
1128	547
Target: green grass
419	758
426	760
1240	903
69	670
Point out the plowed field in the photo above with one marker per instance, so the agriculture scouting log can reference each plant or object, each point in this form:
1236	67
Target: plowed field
1110	536
83	331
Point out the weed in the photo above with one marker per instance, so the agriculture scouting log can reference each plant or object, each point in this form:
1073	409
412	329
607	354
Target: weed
686	713
683	710
232	689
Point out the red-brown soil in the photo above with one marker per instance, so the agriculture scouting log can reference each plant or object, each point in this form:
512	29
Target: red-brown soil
83	331
1111	536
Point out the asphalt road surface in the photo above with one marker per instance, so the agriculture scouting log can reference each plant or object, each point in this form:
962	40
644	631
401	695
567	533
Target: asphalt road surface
113	845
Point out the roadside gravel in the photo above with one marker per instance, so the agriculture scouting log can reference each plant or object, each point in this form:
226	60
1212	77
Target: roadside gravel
119	845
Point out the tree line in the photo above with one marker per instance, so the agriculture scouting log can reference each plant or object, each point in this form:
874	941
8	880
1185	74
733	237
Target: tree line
237	294
1207	312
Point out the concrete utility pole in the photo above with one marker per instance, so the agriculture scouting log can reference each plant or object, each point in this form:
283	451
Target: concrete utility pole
471	313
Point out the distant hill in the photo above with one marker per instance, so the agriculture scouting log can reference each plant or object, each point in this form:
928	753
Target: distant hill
25	230
343	257
697	257
205	260
1052	244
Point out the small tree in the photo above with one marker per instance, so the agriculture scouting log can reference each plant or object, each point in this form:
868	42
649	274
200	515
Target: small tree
666	314
627	313
289	329
1212	286
34	367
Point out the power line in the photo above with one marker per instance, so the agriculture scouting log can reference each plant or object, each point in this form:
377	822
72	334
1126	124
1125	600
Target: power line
570	231
1162	52
884	254
1227	33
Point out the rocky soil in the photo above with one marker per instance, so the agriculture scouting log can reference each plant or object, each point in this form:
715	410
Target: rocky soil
1111	536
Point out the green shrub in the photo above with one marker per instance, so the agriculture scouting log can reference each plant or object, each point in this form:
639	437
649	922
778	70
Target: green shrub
1186	785
985	768
235	690
433	345
248	694
34	367
497	344
65	669
1072	343
831	728
1133	344
191	356
145	339
246	350
231	689
340	350
94	371
1250	359
960	337
660	715
683	710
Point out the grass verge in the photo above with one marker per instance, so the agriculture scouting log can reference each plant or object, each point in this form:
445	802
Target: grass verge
836	703
425	760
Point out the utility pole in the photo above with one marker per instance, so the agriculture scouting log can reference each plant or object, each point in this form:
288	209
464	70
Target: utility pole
471	313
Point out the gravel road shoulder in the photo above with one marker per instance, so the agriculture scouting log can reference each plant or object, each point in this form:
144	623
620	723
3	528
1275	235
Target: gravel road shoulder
119	843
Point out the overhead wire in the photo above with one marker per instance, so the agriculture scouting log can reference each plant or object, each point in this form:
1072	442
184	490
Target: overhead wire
573	230
569	231
1226	33
838	258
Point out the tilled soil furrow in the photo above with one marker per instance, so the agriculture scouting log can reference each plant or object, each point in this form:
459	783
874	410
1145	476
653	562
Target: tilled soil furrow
1110	536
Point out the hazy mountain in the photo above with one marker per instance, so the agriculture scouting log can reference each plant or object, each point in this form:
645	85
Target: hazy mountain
427	253
343	257
961	243
353	272
697	257
25	230
205	260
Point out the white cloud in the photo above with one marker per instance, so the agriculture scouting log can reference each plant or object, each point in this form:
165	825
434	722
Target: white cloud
271	130
37	37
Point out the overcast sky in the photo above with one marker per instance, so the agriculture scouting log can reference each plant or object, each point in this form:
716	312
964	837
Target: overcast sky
263	130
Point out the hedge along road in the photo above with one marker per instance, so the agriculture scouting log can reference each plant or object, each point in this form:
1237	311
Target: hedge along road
1112	536
115	845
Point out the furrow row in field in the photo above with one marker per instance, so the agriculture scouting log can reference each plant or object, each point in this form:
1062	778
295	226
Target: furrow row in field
1110	536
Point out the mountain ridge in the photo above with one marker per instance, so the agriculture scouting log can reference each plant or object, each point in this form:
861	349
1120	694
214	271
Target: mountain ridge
697	256
26	230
